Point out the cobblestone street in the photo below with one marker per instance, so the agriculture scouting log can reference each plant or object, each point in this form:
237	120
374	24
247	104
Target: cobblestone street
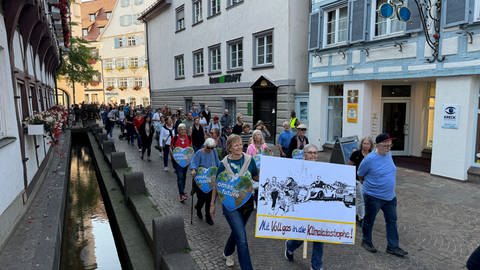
437	218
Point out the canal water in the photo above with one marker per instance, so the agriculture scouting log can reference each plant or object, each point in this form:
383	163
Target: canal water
88	241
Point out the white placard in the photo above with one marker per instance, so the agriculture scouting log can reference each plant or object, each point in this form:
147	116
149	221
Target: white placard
450	115
306	200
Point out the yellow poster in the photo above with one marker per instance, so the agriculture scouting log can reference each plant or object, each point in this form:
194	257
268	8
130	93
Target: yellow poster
352	112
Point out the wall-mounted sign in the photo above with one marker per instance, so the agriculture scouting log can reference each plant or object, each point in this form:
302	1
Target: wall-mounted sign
352	106
230	78
111	94
450	115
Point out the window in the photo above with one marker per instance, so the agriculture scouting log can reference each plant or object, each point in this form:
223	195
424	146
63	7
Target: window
198	62
94	98
179	67
231	106
100	29
180	18
120	63
126	20
145	101
133	102
138	82
334	113
336	25
84	32
110	82
385	26
430	116
92	17
123	82
124	3
94	52
109	15
263	49
213	7
196	11
136	20
133	62
234	2
138	2
87	98
235	54
215	59
131	41
108	64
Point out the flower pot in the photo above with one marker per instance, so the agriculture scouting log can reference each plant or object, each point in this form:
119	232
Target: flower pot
35	129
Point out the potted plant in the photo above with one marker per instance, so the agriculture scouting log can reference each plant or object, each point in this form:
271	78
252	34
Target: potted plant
35	124
137	87
120	68
122	87
109	88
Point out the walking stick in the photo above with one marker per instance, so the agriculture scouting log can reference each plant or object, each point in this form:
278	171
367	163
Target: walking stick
191	212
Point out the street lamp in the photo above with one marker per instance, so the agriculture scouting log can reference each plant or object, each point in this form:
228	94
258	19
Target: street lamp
430	14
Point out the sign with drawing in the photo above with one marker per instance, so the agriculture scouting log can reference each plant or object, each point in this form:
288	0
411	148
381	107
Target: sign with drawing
306	200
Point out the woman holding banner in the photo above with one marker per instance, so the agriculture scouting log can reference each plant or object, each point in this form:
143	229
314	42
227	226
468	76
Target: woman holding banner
181	140
310	152
258	147
204	160
234	188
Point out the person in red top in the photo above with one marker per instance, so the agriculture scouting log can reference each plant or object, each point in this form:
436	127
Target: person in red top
137	122
181	140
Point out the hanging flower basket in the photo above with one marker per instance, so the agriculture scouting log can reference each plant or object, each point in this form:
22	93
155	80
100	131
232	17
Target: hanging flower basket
35	129
137	88
109	88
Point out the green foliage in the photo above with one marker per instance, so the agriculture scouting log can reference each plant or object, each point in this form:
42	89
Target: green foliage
75	65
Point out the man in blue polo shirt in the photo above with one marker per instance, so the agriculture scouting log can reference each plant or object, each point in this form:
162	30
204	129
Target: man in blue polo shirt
379	173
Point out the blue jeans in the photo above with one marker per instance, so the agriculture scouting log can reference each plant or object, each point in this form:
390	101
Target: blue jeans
166	152
237	220
317	252
389	208
181	177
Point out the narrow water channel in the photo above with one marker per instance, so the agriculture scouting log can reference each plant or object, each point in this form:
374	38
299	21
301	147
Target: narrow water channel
88	242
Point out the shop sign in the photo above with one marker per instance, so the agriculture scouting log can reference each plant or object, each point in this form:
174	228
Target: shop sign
450	115
352	106
230	78
111	94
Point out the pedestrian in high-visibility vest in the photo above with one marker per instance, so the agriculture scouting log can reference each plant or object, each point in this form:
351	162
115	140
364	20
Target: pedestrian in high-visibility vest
294	121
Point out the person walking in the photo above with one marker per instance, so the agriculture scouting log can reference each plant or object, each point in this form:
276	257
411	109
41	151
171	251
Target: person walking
256	147
310	152
284	139
237	219
198	134
130	127
366	146
181	140
206	157
137	122
379	173
225	121
166	134
146	133
219	141
237	128
298	141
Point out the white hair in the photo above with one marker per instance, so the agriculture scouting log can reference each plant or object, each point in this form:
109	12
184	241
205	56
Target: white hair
210	143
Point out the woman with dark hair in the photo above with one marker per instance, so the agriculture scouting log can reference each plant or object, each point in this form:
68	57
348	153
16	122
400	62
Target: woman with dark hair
366	146
198	135
146	133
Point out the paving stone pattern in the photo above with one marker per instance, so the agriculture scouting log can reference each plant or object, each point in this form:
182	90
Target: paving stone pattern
438	222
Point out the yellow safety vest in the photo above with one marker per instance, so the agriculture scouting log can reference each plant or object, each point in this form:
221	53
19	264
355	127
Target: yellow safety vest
292	122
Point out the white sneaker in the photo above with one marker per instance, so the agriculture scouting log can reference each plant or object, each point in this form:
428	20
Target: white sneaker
229	260
165	169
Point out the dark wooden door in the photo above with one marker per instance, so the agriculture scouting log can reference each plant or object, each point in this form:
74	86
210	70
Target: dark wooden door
265	109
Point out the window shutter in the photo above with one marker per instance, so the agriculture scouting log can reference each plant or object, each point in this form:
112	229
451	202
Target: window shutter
314	42
415	23
455	12
117	43
358	11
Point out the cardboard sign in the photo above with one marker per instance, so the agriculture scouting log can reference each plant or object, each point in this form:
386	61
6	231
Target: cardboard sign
183	156
306	200
234	190
205	178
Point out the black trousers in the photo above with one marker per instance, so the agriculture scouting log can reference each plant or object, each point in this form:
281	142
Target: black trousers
202	199
473	262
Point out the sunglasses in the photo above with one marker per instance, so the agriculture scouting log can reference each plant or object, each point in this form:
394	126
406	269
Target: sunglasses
302	129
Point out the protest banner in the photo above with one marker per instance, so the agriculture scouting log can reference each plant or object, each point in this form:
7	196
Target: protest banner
205	178
306	200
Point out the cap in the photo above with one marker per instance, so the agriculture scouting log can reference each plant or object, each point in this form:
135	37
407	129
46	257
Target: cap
301	126
383	137
215	117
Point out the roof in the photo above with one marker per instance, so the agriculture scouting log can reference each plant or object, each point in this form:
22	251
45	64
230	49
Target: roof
100	9
147	14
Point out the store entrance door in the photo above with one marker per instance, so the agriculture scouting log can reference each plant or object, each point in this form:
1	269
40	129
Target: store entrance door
395	122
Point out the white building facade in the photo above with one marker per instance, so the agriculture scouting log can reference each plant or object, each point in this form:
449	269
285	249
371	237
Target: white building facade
122	51
371	74
246	56
31	38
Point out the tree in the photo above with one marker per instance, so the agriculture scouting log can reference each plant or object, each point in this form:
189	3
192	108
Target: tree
75	67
